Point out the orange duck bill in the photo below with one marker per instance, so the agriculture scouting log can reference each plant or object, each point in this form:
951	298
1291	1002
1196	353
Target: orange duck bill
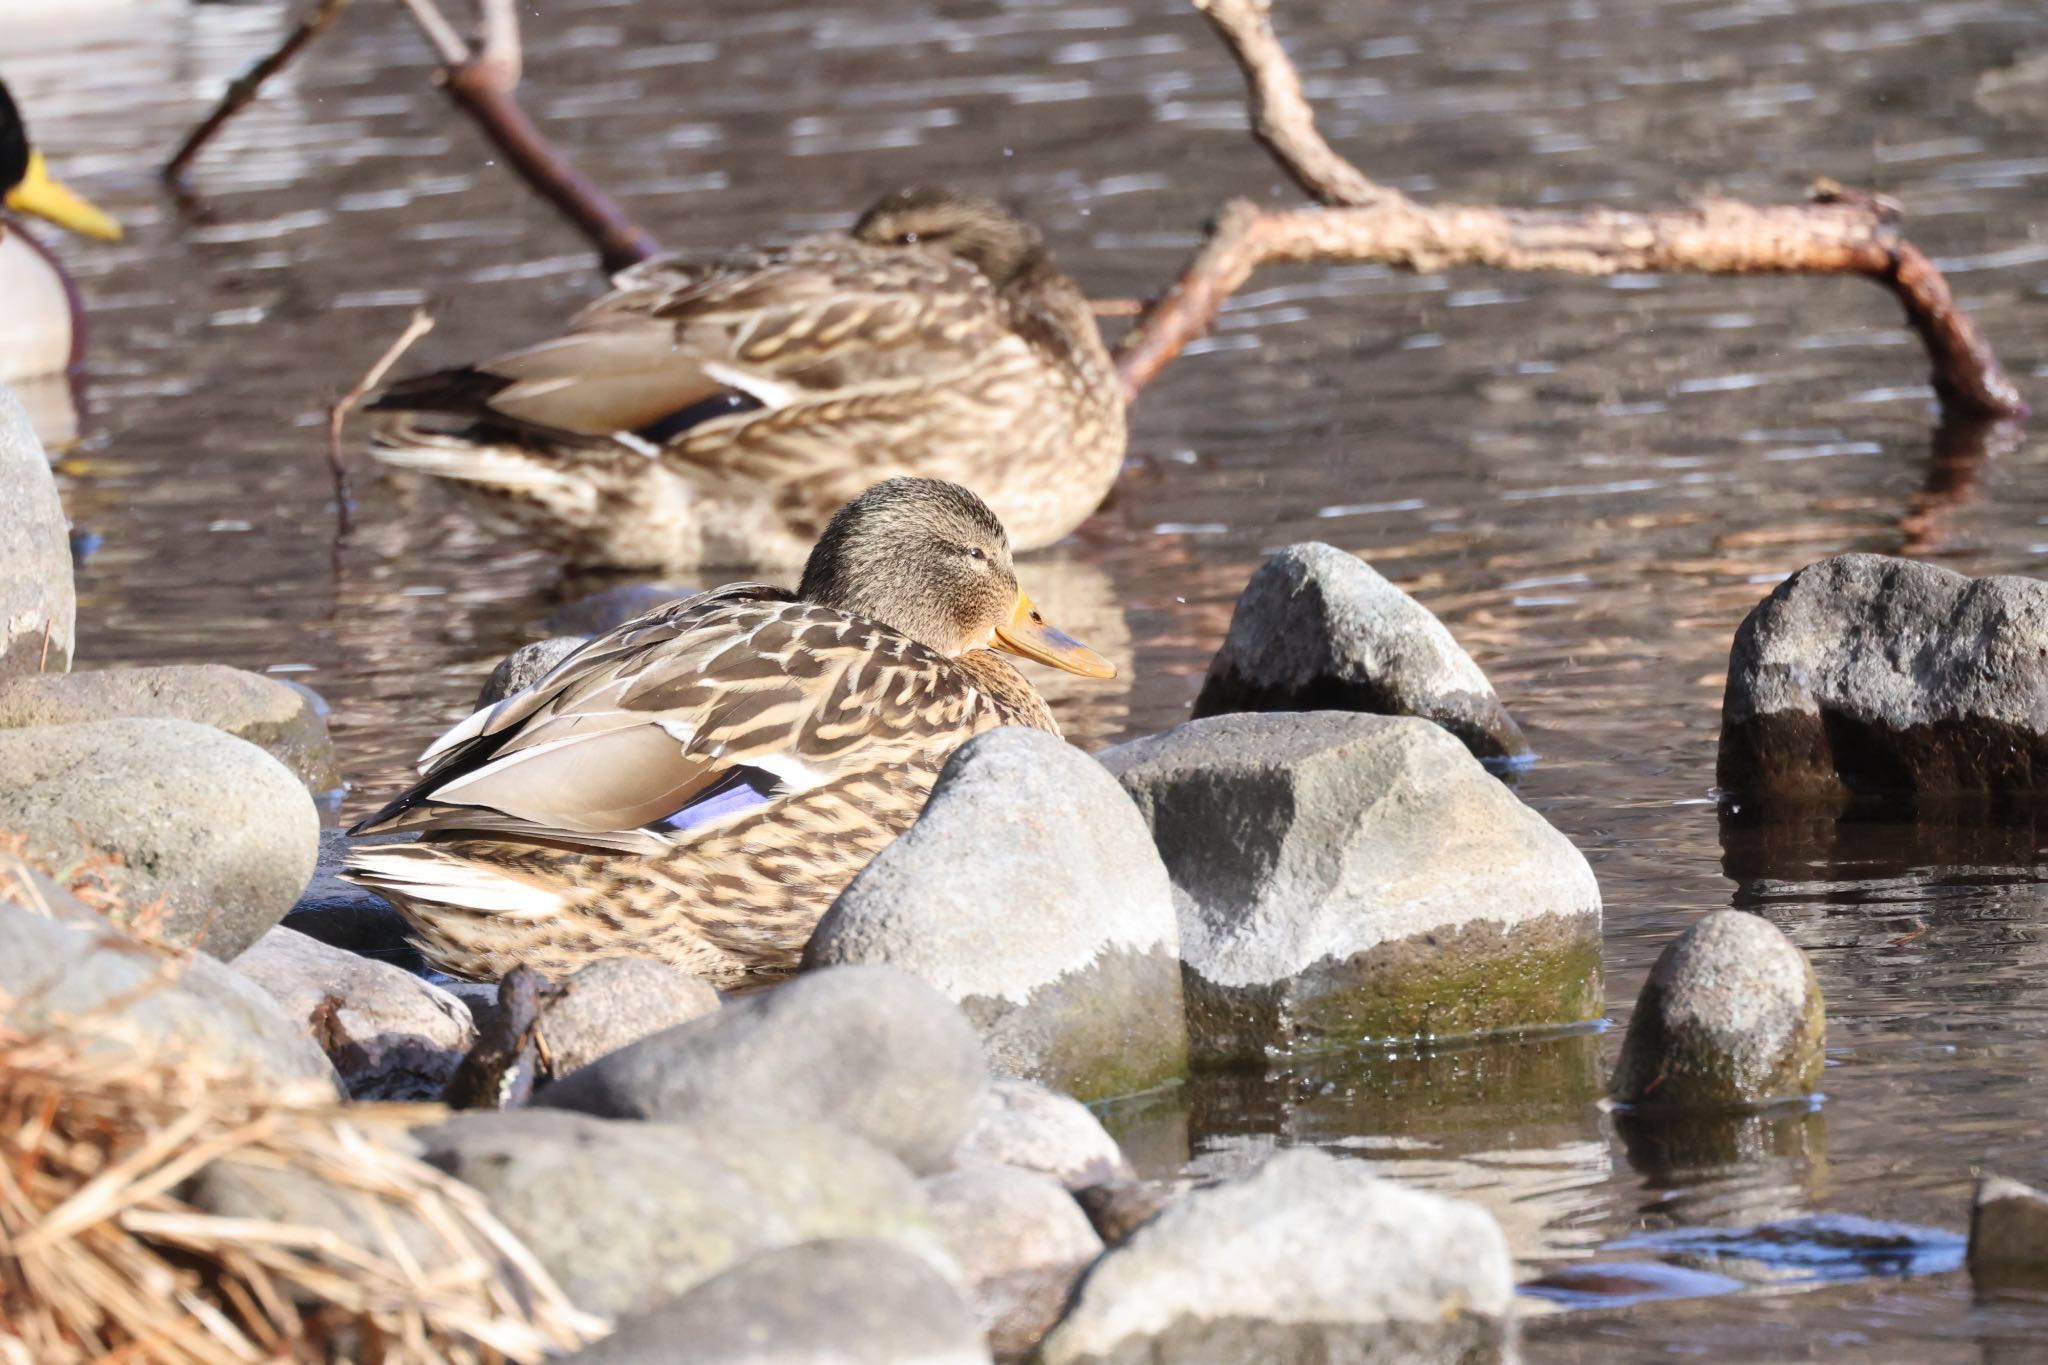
1028	634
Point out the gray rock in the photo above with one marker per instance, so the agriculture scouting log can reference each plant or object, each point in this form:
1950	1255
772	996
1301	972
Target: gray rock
2008	1235
626	1214
621	1000
1866	674
1308	1259
613	606
872	1050
37	602
1731	1015
1029	893
52	971
299	1198
1318	629
390	1035
284	720
850	1301
1342	877
1021	1124
524	667
343	915
1020	1241
219	829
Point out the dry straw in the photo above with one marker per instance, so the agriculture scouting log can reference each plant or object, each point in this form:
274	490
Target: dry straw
101	1260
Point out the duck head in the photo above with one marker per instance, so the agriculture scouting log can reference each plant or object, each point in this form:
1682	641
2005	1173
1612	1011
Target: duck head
996	243
26	185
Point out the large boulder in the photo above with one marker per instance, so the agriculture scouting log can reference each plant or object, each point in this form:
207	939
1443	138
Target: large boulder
1342	877
1731	1015
38	605
1865	674
1318	629
626	1214
846	1301
1030	894
1023	1125
872	1050
286	721
390	1034
52	971
217	828
1020	1242
1310	1258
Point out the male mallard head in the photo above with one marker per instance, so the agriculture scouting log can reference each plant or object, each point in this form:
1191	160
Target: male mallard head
980	233
929	559
26	185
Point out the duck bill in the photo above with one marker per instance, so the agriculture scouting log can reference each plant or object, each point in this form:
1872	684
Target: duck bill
46	196
1027	633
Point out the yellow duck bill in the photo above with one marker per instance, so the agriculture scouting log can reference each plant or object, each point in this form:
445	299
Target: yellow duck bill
45	196
1028	634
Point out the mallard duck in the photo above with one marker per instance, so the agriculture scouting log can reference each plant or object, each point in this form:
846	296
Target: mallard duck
698	784
41	328
716	410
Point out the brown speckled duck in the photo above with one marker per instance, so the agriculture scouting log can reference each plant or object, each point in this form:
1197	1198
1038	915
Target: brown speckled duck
700	783
716	410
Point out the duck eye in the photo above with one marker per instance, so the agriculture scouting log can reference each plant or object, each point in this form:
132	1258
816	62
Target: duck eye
908	239
976	552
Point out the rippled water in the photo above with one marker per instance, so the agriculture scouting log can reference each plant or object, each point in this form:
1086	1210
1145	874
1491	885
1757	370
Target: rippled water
1590	481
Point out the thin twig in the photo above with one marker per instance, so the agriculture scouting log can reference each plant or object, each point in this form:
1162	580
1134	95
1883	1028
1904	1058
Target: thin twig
421	323
249	84
440	34
1117	308
1839	232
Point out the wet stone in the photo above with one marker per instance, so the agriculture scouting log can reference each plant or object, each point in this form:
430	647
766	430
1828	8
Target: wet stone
1030	893
1318	629
344	915
1868	675
38	605
1342	877
526	666
221	831
2008	1235
1731	1015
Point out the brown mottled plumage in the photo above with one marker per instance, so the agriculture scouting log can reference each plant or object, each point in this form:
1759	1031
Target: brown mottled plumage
716	410
700	783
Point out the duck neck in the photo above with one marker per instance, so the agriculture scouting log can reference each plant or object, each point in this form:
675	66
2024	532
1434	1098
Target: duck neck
1015	698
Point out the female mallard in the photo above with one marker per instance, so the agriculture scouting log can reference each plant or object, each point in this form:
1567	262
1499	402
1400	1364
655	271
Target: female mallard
716	411
41	329
700	783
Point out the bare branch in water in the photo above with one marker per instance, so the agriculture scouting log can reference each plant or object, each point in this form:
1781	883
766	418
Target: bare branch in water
1840	232
248	85
420	324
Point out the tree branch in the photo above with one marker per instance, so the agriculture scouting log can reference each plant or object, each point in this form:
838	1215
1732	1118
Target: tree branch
248	85
1840	232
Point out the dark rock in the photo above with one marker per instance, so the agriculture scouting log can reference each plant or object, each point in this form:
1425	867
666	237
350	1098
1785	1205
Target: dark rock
1318	629
219	829
872	1050
1865	674
1310	1258
1342	877
1020	1242
2008	1236
283	719
618	1001
1023	1125
37	602
1029	893
343	915
625	1214
526	666
1118	1208
851	1301
613	606
52	971
390	1035
1731	1015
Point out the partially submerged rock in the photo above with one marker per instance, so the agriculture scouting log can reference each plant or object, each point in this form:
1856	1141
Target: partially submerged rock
872	1050
38	605
848	1301
2008	1235
390	1035
52	971
1318	629
285	721
1023	1125
1342	877
1310	1258
219	829
525	666
1731	1015
1865	674
1029	893
627	1214
1020	1242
